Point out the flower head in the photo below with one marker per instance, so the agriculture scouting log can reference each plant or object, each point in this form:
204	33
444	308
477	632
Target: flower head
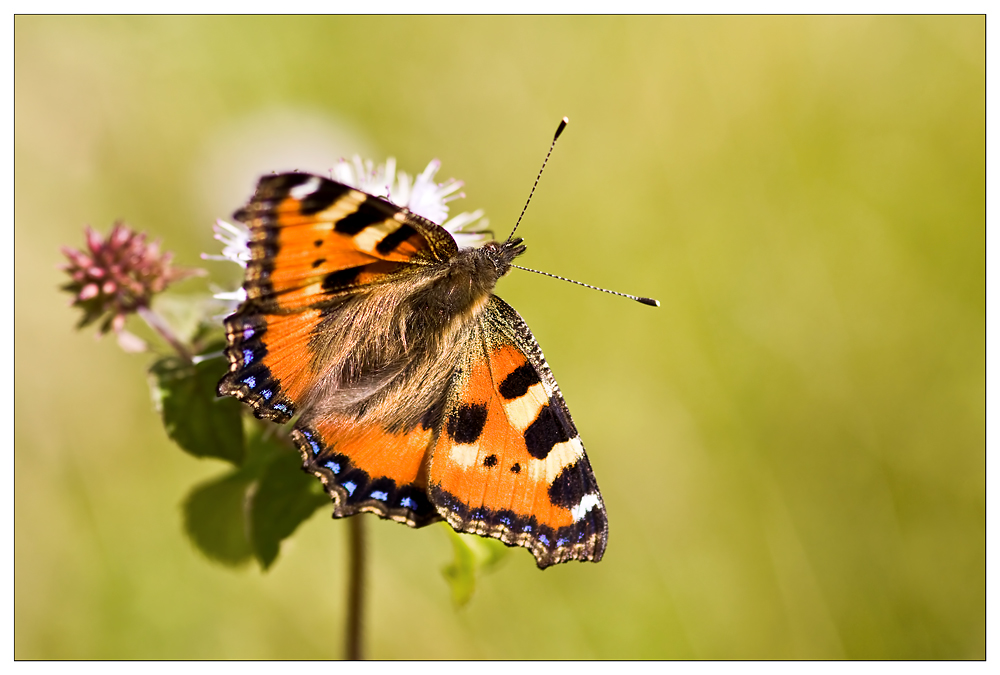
117	276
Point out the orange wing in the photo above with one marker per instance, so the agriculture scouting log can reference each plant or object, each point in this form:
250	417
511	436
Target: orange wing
369	469
508	462
312	238
312	242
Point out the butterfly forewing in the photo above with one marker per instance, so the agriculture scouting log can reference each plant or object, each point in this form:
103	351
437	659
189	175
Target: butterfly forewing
312	238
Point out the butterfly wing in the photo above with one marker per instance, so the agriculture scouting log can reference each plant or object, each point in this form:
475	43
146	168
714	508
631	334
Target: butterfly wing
317	248
313	243
311	238
370	469
508	462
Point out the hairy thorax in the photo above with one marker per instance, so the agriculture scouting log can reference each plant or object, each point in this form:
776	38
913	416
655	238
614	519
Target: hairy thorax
399	341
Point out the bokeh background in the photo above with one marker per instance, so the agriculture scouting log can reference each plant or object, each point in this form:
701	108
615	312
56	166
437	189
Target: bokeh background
791	448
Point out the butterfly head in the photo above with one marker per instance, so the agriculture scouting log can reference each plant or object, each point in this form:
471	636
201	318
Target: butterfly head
501	255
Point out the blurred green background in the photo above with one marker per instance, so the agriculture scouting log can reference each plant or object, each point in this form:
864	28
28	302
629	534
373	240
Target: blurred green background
791	449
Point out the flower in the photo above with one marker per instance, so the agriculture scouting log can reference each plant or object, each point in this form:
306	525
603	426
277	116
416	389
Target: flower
118	276
236	248
236	238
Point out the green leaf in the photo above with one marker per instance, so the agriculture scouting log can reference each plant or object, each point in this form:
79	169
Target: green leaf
461	572
494	552
263	445
248	512
194	417
214	518
473	555
285	496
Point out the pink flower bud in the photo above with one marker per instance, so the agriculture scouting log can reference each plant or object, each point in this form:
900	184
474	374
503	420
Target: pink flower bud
121	275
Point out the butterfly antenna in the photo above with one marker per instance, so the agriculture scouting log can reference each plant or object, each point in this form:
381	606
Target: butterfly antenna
646	301
559	130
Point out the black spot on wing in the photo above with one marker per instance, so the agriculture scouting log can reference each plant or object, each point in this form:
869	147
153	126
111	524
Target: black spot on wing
544	433
318	262
518	382
335	281
490	461
325	195
465	425
367	214
394	239
516	468
269	189
572	483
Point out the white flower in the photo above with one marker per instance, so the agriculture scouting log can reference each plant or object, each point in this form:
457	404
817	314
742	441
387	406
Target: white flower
421	195
236	243
235	238
235	297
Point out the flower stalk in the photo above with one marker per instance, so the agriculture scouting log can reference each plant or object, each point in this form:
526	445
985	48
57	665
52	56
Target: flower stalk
356	552
156	322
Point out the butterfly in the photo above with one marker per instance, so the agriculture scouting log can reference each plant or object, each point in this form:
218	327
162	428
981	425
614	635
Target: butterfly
419	394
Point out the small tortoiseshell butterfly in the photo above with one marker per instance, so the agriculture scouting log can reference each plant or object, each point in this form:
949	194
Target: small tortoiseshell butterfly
420	394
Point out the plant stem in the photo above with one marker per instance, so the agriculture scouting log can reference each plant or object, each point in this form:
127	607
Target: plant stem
355	588
160	326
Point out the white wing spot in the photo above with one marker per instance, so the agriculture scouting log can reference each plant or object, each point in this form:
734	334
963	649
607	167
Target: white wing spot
588	502
368	238
523	410
465	454
300	192
562	455
340	209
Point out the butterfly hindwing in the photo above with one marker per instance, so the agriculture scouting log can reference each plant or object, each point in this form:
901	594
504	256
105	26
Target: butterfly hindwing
269	360
370	469
508	462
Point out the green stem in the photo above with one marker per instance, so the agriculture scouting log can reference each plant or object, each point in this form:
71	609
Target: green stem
355	588
160	326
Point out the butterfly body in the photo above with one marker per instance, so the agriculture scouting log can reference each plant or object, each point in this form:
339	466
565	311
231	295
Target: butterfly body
419	394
